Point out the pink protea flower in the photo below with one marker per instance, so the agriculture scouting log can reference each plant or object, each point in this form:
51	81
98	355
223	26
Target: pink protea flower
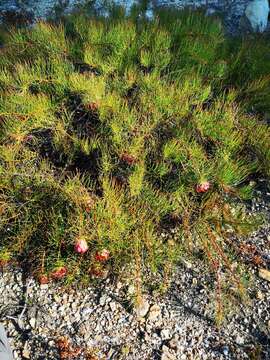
43	279
28	138
203	187
129	159
81	246
59	273
102	255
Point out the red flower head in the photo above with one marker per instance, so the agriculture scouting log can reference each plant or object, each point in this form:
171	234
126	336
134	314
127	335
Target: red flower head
129	159
98	272
59	273
203	187
43	279
81	246
28	138
103	255
92	106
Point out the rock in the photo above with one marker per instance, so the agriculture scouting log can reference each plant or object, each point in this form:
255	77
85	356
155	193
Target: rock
113	306
56	298
239	340
131	289
32	322
260	295
173	343
102	300
119	285
143	308
165	334
187	264
225	350
264	274
147	338
44	286
166	354
26	351
154	312
257	14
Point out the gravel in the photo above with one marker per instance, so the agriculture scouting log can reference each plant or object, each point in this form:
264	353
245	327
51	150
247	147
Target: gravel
101	320
231	11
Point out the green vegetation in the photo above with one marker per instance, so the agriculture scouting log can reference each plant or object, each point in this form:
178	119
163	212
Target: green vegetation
113	130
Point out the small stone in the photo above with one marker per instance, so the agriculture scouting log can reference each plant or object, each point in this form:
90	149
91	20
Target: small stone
257	13
131	289
225	350
154	313
239	340
82	330
102	300
260	295
147	337
187	264
166	354
44	286
119	285
26	352
57	298
165	334
143	308
32	322
264	274
173	343
112	306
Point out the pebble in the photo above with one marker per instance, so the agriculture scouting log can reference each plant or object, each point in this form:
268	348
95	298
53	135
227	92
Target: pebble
264	274
154	313
113	306
131	289
225	350
260	295
166	354
239	340
26	352
173	343
165	334
102	300
143	308
32	322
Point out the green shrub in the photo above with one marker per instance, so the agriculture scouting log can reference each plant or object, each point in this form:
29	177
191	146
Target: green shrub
113	130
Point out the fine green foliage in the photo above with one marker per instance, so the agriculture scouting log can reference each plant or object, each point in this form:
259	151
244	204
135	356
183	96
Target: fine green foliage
108	128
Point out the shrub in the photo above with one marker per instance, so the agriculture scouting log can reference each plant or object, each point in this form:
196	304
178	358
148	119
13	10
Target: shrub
114	130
